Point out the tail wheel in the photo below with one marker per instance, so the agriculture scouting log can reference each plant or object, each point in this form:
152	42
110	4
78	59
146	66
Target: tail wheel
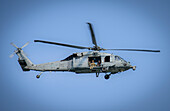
38	76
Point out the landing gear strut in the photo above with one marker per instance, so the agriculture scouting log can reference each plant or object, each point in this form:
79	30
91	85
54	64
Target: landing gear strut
107	76
97	74
38	76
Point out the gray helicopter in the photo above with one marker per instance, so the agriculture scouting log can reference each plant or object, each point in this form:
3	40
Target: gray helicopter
92	61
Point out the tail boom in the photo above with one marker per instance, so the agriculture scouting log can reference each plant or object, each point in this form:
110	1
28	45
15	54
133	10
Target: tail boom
24	62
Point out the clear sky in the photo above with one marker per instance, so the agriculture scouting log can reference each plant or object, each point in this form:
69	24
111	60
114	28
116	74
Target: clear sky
143	24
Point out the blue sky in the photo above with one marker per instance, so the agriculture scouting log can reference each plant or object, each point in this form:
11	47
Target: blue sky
117	24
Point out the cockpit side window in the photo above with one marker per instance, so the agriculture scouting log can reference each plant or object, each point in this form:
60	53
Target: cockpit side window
107	59
117	58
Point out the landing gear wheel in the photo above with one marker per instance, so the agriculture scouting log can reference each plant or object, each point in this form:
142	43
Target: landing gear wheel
38	76
107	76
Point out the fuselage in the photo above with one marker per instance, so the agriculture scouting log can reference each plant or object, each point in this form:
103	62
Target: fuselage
86	62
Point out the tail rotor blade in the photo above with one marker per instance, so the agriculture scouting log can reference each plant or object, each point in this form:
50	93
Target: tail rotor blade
25	45
14	45
13	54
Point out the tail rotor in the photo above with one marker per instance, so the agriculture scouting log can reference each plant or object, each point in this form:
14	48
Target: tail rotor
18	49
13	53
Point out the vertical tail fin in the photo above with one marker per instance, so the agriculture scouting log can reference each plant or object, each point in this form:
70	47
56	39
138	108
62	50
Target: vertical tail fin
22	58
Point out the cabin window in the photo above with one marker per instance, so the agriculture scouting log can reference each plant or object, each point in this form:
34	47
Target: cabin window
96	60
107	59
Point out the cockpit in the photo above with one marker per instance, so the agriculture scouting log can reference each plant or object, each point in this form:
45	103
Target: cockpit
117	58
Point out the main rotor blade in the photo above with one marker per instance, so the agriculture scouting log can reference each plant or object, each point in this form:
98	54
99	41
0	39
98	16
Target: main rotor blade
92	34
134	50
67	45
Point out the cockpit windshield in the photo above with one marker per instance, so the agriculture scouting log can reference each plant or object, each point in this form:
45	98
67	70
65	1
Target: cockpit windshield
122	59
119	58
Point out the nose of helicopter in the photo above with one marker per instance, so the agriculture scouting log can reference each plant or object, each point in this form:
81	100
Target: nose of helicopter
132	67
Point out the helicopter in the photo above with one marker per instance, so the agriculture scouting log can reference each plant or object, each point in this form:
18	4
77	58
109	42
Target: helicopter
92	61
